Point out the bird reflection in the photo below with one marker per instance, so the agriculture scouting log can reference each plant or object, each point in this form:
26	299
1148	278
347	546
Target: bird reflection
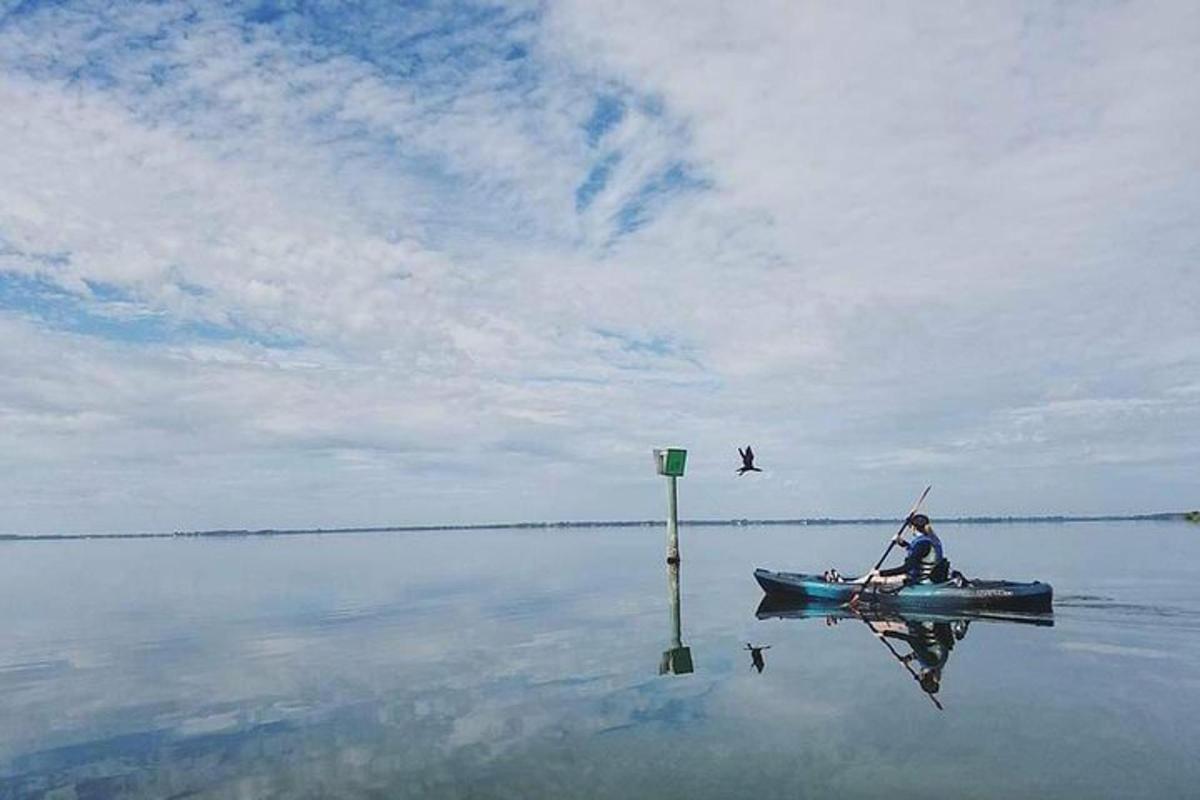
756	656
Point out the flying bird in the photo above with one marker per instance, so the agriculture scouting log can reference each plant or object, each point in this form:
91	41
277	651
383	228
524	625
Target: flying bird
747	461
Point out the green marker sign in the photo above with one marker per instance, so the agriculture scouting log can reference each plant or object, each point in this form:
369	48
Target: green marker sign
670	461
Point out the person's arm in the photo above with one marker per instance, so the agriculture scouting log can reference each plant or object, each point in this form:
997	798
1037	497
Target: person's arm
900	570
917	550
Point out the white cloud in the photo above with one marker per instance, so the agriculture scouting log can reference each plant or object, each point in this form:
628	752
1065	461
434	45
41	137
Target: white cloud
885	248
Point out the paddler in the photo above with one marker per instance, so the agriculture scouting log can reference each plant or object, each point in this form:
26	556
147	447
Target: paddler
924	563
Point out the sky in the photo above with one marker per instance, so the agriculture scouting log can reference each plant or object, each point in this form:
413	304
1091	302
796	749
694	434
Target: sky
319	264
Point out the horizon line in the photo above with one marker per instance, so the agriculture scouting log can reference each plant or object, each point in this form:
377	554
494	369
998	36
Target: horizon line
975	519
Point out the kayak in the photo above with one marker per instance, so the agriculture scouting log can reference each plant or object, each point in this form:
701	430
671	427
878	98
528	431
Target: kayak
973	594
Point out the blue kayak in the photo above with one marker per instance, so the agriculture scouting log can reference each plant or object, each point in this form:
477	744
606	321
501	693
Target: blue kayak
972	594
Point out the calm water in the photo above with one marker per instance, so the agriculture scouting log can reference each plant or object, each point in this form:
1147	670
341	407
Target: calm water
526	664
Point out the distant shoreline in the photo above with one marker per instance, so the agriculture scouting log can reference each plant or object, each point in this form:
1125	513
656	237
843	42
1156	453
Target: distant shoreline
1166	516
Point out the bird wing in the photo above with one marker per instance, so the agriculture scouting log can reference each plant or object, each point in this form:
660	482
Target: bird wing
749	453
742	453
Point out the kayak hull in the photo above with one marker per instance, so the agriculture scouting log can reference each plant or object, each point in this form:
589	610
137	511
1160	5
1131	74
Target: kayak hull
978	594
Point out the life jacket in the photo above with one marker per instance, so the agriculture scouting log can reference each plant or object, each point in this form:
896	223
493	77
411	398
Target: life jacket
928	567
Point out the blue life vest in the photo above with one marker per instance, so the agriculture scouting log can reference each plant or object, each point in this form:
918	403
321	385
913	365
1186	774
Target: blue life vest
920	570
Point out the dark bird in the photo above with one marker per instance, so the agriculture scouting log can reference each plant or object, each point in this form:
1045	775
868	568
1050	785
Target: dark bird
747	461
756	656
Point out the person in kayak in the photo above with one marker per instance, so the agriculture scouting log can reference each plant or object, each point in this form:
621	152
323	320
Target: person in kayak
925	562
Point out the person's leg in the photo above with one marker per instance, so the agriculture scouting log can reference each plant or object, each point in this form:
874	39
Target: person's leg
881	579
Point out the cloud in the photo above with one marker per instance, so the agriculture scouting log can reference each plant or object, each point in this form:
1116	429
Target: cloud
489	251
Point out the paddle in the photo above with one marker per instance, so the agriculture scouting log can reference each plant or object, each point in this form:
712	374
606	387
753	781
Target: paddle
900	658
892	543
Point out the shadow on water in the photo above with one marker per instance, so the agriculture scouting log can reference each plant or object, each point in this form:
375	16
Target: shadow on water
920	643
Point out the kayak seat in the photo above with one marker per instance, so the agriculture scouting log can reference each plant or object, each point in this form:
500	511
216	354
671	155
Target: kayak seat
941	571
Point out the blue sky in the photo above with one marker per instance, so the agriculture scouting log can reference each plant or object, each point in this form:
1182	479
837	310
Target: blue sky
277	264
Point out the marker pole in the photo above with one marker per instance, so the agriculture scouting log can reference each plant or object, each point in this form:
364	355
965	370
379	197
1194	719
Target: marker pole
672	521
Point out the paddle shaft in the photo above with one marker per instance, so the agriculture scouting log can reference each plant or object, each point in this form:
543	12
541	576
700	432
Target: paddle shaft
903	525
892	543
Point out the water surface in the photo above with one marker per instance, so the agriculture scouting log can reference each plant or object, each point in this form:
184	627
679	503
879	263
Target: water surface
527	663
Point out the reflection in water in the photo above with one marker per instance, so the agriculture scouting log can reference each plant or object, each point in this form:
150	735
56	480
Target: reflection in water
677	660
457	666
756	656
927	638
929	643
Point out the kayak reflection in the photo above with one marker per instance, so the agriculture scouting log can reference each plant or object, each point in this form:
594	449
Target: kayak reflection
920	642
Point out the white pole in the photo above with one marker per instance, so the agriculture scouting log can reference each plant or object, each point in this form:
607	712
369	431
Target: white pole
672	522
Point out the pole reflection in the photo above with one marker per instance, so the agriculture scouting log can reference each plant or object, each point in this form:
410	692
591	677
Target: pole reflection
678	659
